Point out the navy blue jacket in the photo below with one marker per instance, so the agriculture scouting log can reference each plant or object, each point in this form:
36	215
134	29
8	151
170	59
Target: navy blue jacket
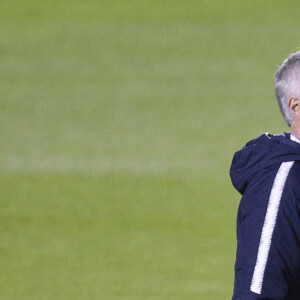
267	174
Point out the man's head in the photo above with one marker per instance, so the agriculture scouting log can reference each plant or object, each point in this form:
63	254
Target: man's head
287	86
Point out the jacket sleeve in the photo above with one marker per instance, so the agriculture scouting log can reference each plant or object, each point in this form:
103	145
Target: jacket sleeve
268	232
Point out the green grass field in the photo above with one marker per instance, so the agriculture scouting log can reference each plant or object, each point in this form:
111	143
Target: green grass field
118	121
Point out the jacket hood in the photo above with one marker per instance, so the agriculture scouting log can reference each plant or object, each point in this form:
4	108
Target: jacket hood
265	151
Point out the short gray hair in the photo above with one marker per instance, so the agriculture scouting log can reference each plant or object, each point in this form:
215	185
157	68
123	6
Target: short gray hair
287	84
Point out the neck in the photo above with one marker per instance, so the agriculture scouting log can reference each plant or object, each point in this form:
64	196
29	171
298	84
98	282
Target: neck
295	129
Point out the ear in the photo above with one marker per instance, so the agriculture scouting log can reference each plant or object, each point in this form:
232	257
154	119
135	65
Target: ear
294	105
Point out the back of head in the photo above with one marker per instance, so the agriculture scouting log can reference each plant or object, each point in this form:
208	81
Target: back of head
287	84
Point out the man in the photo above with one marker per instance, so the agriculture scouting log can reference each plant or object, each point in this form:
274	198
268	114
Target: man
267	174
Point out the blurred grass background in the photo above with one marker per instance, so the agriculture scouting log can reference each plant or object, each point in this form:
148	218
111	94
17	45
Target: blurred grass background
118	121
